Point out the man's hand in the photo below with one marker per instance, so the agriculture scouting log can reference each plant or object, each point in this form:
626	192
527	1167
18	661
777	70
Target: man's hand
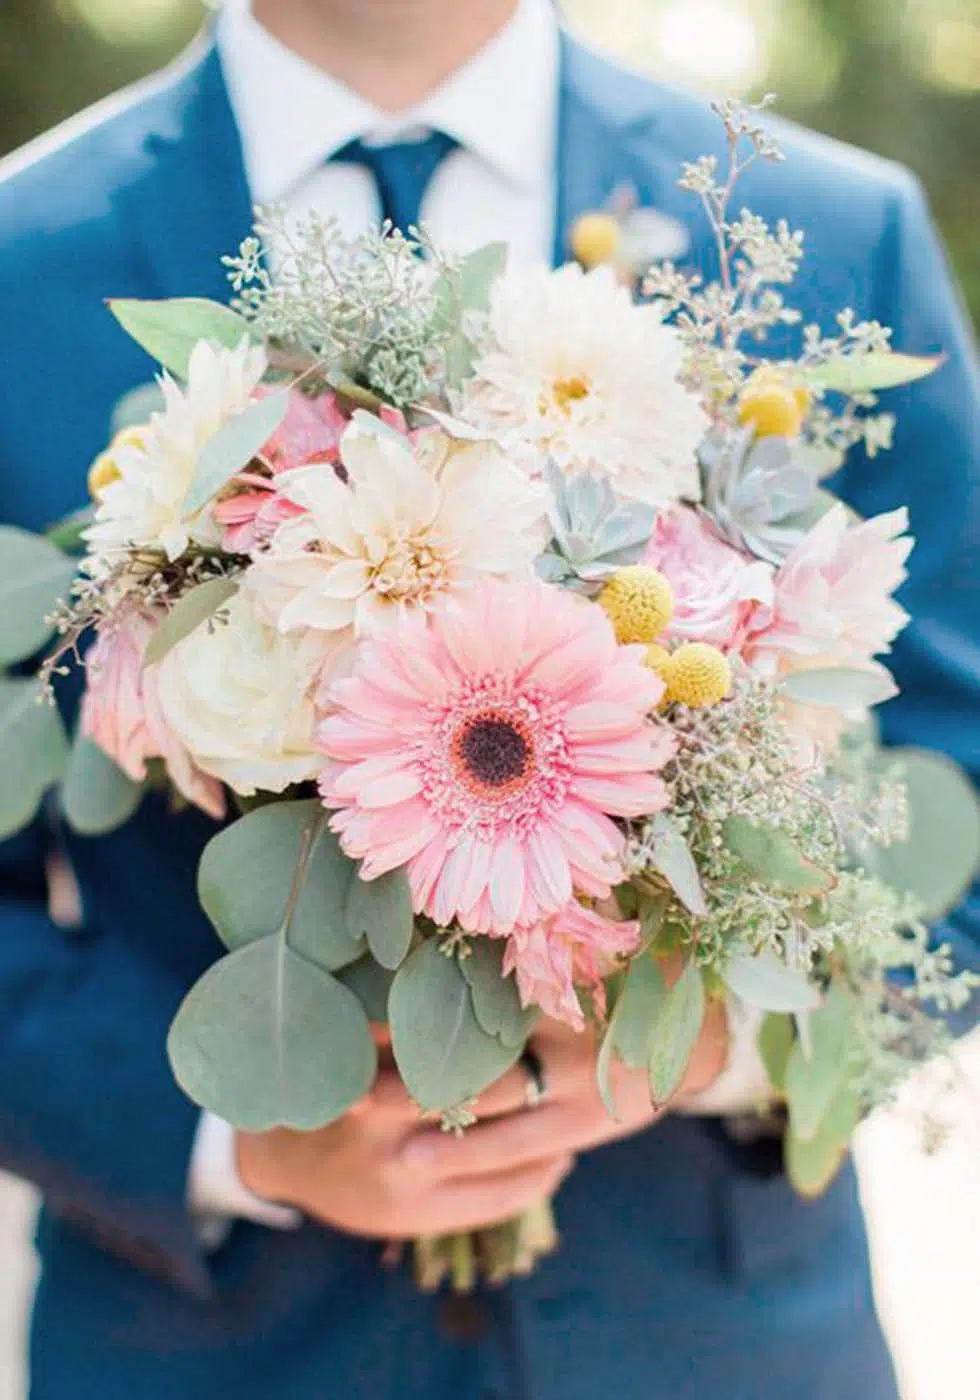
381	1172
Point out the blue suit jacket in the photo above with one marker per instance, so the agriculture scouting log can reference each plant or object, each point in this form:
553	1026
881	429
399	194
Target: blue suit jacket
689	1269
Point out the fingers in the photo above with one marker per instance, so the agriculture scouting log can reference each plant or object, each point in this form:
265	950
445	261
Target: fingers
473	1204
497	1145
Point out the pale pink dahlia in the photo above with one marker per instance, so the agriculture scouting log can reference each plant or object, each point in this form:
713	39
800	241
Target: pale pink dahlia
488	750
574	948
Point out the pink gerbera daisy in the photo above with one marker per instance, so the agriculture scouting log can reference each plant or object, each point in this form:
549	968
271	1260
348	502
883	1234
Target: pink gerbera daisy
487	749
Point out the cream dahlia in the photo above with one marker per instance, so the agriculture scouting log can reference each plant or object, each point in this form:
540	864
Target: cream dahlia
143	506
413	522
574	948
578	373
488	751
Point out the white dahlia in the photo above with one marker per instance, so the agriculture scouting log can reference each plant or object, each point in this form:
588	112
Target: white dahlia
411	524
237	698
578	372
143	505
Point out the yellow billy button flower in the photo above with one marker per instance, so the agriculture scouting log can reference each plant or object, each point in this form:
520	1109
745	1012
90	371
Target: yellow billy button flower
105	470
595	238
639	603
697	675
657	658
773	406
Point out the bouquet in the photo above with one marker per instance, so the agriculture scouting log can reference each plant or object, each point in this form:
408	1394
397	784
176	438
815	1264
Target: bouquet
511	619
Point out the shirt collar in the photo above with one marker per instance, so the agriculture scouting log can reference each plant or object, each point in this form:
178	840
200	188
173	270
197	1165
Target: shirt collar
293	116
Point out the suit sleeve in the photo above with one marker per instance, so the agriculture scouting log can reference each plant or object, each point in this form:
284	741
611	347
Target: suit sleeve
934	469
89	1110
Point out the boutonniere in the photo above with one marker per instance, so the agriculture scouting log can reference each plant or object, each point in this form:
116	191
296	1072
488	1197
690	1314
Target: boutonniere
627	236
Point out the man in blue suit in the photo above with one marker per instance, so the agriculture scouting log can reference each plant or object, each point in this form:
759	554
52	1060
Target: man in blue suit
688	1268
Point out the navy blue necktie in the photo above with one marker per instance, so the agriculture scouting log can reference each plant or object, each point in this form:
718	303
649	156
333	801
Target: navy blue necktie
401	172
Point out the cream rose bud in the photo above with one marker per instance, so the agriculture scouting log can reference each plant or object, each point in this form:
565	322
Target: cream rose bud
237	696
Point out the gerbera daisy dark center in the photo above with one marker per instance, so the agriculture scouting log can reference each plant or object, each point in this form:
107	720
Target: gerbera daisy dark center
494	751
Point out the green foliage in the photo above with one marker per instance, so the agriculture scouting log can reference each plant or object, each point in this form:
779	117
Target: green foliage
33	751
250	870
674	1033
463	289
495	997
762	980
840	687
169	330
443	1053
233	447
67	533
630	1031
818	1069
137	407
942	854
772	856
266	1038
862	374
671	855
381	911
812	1163
191	609
96	795
370	983
776	1039
34	575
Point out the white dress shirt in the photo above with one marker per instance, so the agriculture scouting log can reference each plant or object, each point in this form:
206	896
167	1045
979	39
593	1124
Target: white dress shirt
499	184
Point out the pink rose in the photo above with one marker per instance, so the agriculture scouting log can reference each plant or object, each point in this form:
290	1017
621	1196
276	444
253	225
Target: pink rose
121	714
576	947
832	596
717	590
310	432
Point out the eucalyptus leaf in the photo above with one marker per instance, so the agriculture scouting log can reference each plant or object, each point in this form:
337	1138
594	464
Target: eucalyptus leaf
33	751
370	983
137	407
266	1039
381	911
840	687
811	1164
67	534
496	1001
773	857
97	796
477	274
34	574
640	1004
816	1073
775	1040
941	857
672	857
444	1055
247	872
675	1032
190	610
233	447
763	980
867	373
169	330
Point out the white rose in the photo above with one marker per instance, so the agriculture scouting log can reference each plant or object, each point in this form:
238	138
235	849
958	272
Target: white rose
237	697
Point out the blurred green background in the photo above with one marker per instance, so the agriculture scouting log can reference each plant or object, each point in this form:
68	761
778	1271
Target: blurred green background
899	76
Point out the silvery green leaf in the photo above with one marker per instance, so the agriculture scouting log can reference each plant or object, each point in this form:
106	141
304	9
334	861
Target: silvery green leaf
840	687
266	1038
773	857
496	1000
68	533
811	1164
629	1031
551	568
477	274
673	859
814	1079
867	373
233	447
34	575
370	983
941	857
33	751
675	1032
443	1054
96	796
169	330
188	613
247	873
381	911
763	980
775	1041
137	407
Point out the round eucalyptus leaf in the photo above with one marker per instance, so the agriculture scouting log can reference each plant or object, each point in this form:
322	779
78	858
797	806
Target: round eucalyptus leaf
496	1000
247	873
381	911
96	796
265	1038
34	574
942	854
443	1053
370	983
33	751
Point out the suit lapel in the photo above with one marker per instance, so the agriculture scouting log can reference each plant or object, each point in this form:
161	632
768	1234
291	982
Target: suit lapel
194	205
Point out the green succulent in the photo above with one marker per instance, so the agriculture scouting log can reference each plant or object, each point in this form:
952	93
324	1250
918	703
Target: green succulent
760	492
594	532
